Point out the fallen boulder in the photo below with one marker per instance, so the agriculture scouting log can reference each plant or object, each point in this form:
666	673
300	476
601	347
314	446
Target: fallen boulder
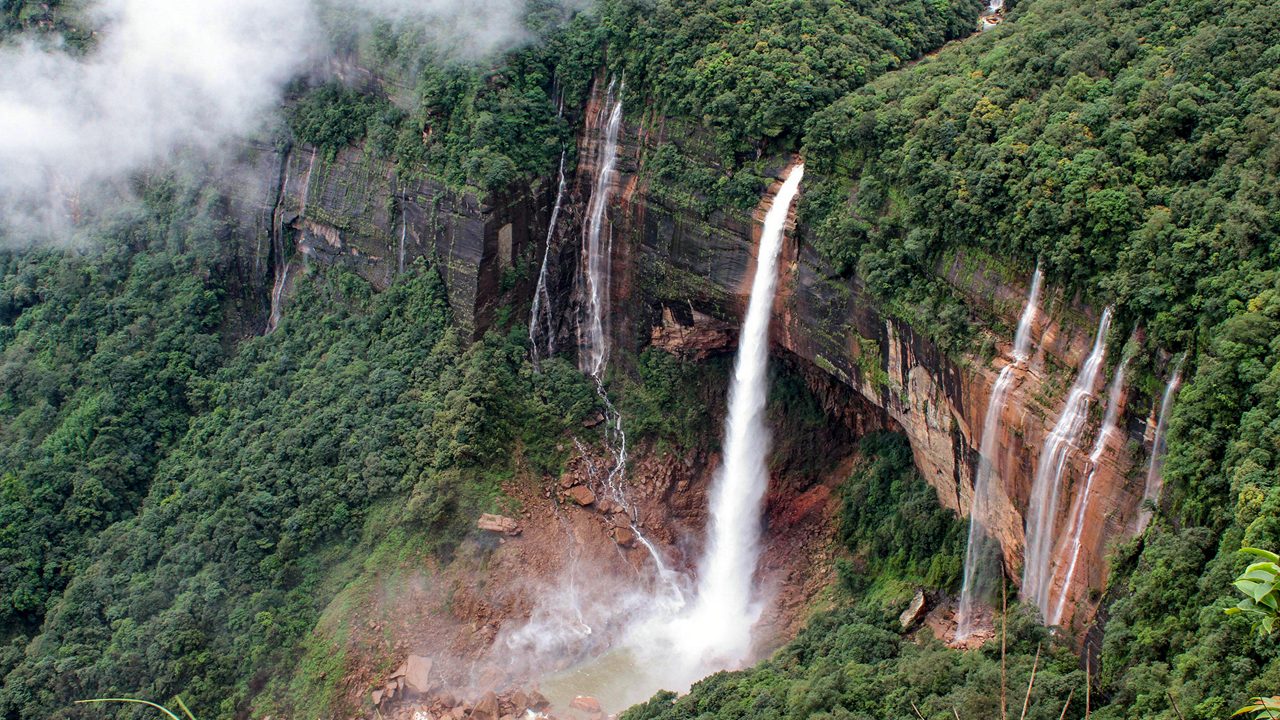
418	673
499	524
581	494
586	704
486	709
915	610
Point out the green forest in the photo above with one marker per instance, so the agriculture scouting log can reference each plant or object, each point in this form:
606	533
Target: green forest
183	496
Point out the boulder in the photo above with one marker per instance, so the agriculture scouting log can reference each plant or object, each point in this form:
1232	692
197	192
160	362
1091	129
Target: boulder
915	610
624	536
538	702
582	495
519	701
587	704
376	697
499	524
486	709
418	673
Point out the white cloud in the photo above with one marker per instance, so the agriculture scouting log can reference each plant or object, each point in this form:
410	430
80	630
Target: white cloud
166	76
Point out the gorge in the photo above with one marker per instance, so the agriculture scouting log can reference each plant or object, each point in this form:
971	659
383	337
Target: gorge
540	384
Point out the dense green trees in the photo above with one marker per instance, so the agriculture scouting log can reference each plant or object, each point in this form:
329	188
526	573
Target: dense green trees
753	72
1131	148
177	516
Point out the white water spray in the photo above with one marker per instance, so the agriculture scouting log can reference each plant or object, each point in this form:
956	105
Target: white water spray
1155	477
717	631
541	310
1080	509
597	263
981	546
1047	487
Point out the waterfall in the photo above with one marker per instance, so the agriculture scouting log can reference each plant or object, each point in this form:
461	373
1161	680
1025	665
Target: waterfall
278	287
594	353
541	298
1080	509
1046	489
404	235
1155	479
718	629
597	262
986	482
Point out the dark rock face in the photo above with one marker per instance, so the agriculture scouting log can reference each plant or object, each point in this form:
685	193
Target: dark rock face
352	211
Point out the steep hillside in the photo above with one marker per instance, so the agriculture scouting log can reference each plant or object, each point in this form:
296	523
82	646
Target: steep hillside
262	441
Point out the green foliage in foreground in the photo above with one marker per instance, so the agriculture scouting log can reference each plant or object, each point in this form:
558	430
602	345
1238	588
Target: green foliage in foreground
1258	583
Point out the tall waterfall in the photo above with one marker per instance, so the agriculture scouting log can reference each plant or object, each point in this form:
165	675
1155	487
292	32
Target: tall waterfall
1080	509
718	629
1155	478
1047	487
986	484
593	340
540	313
404	235
597	260
283	265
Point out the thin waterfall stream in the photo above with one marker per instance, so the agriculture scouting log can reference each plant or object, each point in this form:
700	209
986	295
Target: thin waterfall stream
1080	508
981	545
597	263
540	314
1046	489
1155	468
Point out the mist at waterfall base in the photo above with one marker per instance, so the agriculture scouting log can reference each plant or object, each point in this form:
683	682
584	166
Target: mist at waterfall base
661	632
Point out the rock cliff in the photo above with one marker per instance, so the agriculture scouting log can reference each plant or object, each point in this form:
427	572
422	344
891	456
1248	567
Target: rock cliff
350	210
680	282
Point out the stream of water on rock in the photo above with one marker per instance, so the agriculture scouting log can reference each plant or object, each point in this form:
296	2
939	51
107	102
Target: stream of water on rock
1046	489
540	314
1080	509
1155	477
597	258
980	554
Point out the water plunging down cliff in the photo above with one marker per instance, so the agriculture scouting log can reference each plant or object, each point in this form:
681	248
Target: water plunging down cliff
979	558
541	323
1081	507
593	333
718	629
1155	478
1046	491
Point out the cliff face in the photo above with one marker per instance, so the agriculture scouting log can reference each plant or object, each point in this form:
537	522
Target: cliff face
680	282
351	211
